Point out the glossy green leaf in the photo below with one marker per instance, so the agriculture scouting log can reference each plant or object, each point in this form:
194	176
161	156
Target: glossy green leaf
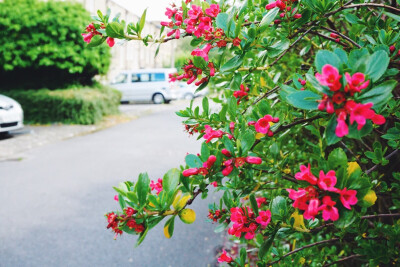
304	100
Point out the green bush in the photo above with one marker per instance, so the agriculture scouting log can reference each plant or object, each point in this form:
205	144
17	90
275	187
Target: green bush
72	106
42	46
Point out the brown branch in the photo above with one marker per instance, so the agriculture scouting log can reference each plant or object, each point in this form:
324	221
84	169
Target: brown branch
377	165
341	35
351	152
307	246
190	201
284	127
328	38
361	5
344	259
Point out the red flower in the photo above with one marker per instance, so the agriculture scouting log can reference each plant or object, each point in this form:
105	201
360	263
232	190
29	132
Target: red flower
202	52
260	201
156	186
224	257
236	41
338	98
330	77
110	41
361	112
329	212
221	43
306	175
264	218
355	83
348	197
130	211
211	134
326	103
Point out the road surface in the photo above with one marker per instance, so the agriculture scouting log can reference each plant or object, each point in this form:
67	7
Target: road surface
52	202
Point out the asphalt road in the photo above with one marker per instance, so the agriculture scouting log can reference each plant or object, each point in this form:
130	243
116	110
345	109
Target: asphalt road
52	203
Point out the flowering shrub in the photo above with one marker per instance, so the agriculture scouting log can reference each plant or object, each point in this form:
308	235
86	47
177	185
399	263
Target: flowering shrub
305	142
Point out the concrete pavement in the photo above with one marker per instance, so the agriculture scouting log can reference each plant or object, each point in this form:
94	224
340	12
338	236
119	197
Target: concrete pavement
52	202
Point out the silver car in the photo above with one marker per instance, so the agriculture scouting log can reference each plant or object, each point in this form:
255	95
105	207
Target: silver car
11	114
146	85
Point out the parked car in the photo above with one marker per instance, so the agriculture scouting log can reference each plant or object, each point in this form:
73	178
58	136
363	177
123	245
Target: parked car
11	114
188	91
146	85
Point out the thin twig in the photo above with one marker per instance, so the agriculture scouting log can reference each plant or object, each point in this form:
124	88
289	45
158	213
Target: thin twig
344	259
341	35
328	38
307	246
361	5
284	127
387	157
351	152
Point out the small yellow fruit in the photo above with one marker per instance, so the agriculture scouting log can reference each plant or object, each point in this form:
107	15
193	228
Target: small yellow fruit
183	202
352	167
166	233
259	136
370	197
298	222
187	216
302	260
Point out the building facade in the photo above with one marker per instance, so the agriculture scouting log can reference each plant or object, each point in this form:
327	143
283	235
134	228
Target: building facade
133	54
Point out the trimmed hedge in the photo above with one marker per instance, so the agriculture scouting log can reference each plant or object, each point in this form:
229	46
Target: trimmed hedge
70	106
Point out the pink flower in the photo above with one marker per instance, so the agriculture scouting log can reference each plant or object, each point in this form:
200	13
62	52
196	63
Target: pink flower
328	181
110	41
190	172
195	13
302	196
330	77
341	128
326	103
264	218
263	124
361	112
355	83
260	201
239	162
213	10
116	198
156	186
226	152
170	12
348	197
215	184
306	175
87	37
202	52
241	93
210	162
253	160
329	212
224	257
312	209
211	134
227	170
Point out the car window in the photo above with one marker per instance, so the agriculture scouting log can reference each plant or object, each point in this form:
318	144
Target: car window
158	77
135	78
144	77
121	78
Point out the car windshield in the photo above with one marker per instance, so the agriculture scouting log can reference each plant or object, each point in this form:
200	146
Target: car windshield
121	78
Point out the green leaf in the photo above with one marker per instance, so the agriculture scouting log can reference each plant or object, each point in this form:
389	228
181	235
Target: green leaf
142	237
330	134
115	30
377	65
222	21
171	180
232	106
142	188
358	134
265	247
379	95
324	57
277	48
196	41
346	218
205	106
342	55
170	226
121	201
96	41
205	152
268	18
220	228
199	62
247	140
337	158
393	16
193	161
304	100
278	208
142	21
315	83
228	144
232	64
253	203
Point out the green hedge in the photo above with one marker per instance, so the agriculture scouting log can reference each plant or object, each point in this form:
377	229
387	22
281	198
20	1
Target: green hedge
71	106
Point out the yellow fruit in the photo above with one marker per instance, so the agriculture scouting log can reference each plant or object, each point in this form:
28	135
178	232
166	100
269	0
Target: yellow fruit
183	202
302	260
259	135
166	233
298	222
352	167
176	199
370	197
287	171
187	216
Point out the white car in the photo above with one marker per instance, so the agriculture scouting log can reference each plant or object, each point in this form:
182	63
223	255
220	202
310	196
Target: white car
188	91
11	114
146	85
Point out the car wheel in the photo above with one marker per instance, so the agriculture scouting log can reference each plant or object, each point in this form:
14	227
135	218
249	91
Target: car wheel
188	96
158	99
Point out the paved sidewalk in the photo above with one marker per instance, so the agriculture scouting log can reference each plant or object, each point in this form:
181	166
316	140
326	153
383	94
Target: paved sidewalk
17	145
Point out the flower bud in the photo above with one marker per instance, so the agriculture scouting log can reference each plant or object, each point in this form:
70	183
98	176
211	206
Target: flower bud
253	160
190	172
334	35
226	152
297	16
392	48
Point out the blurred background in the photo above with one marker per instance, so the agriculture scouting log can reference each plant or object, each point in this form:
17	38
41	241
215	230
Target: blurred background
66	139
